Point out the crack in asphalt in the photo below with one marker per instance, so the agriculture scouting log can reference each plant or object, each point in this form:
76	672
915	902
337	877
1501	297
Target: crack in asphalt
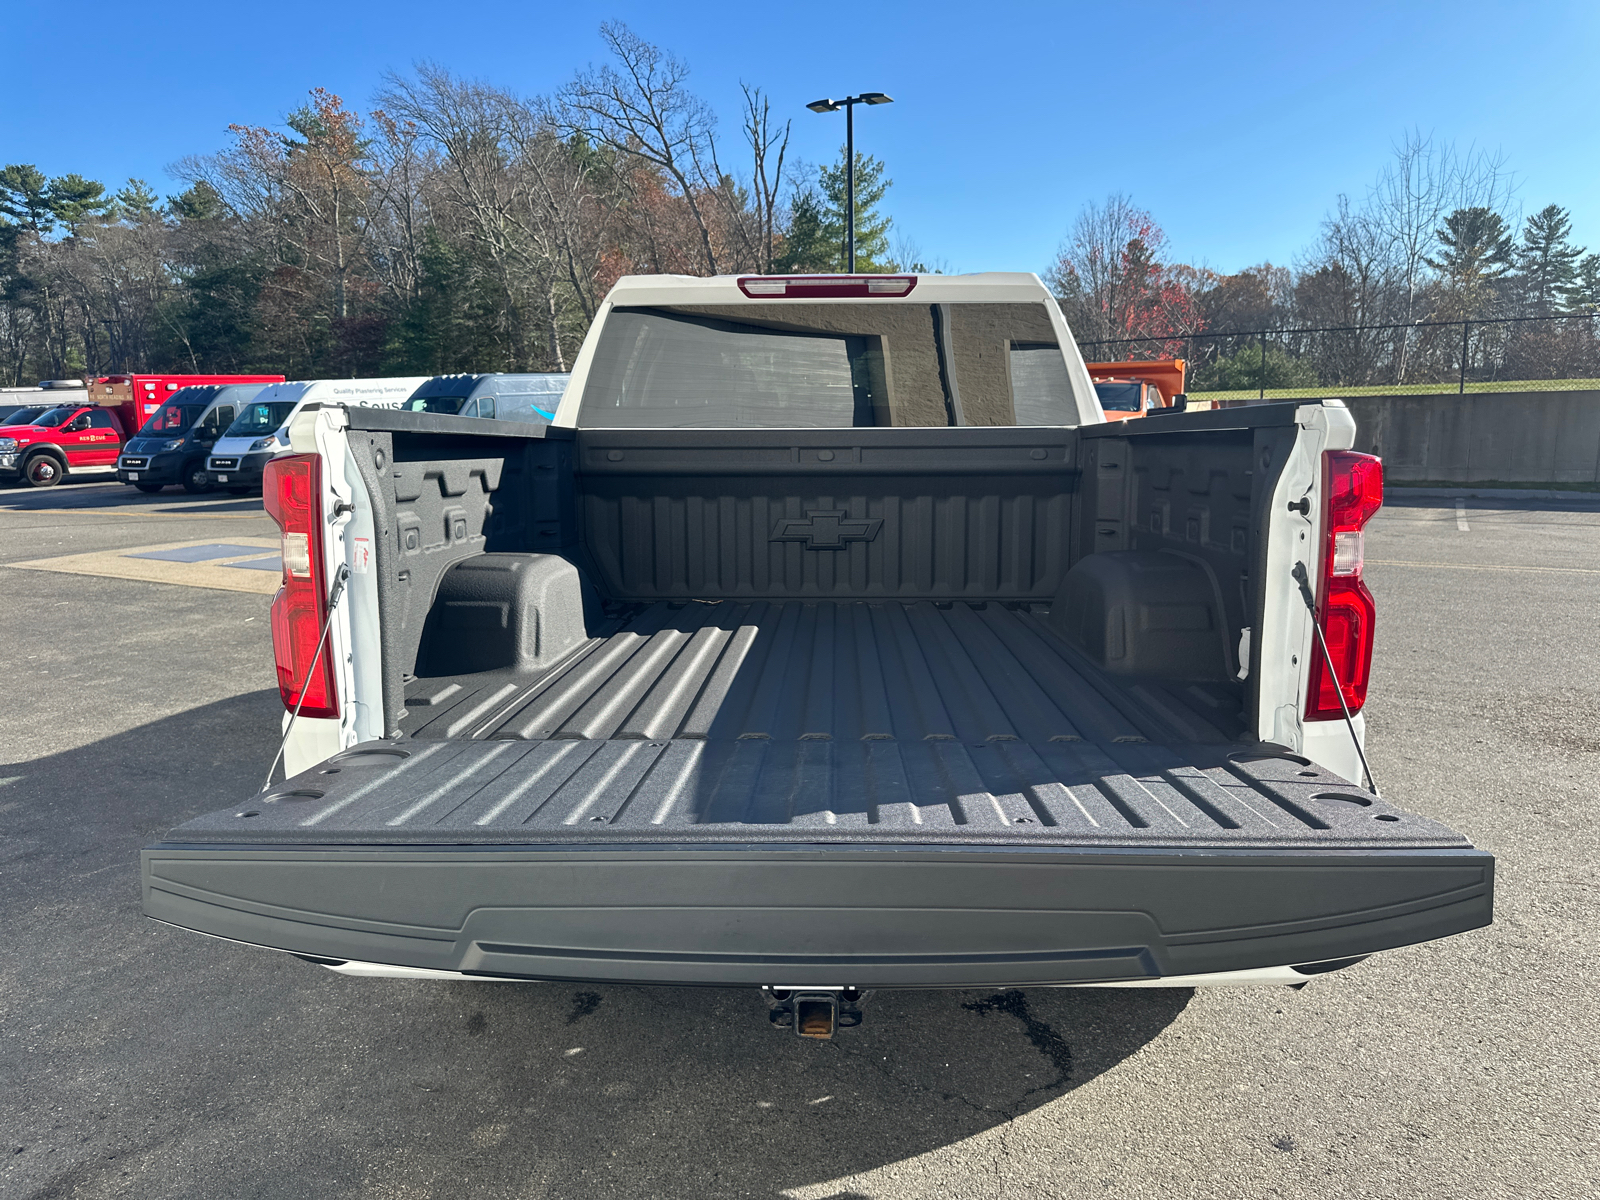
1045	1040
1050	1044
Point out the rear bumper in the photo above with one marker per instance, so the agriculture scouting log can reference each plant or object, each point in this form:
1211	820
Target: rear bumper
969	916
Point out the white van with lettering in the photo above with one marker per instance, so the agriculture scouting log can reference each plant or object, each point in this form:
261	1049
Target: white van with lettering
260	432
497	397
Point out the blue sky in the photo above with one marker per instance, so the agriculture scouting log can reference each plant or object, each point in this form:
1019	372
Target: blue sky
1235	125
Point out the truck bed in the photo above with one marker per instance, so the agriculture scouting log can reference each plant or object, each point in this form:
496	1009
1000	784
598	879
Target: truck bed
822	722
768	758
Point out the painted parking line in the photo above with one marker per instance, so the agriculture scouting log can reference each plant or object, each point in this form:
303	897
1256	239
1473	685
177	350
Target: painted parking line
193	563
201	553
129	513
1461	516
1445	566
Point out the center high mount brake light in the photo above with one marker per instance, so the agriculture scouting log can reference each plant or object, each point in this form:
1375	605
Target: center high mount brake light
825	287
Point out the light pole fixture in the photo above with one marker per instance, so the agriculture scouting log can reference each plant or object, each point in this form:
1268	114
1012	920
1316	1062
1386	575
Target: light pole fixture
849	105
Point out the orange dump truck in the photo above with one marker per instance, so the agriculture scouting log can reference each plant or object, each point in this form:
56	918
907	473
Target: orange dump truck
1131	389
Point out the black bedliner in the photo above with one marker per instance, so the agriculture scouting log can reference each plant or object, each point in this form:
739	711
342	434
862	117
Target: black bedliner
822	722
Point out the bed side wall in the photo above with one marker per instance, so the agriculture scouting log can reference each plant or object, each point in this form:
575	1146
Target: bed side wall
439	499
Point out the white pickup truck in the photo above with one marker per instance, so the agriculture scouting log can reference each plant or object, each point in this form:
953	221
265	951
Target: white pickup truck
829	639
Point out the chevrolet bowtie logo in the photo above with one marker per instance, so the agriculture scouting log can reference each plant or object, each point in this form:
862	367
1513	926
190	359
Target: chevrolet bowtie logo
826	529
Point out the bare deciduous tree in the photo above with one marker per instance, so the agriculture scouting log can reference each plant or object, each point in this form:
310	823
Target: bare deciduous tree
522	189
1110	281
1381	250
645	110
766	169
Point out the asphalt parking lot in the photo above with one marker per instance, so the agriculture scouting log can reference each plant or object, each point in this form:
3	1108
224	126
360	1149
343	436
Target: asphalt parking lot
137	1059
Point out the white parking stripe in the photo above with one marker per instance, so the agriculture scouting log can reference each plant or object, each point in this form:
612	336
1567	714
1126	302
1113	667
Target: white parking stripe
1447	566
1461	515
132	562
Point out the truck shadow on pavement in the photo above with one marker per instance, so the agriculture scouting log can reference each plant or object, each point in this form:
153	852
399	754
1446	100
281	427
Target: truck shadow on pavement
178	1065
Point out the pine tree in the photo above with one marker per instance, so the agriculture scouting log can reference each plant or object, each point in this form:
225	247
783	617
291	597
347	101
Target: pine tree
136	202
75	200
1547	261
199	203
815	241
1585	296
25	199
1477	250
808	246
872	228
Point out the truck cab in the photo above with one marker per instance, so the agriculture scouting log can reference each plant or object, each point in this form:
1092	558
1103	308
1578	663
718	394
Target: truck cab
171	446
1124	398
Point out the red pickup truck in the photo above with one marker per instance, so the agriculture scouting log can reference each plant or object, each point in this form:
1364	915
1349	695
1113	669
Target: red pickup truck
84	437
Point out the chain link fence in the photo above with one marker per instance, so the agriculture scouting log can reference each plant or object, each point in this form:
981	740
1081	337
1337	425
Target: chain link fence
1501	354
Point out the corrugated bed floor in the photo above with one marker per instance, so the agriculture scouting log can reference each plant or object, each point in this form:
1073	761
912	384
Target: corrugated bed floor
817	722
825	671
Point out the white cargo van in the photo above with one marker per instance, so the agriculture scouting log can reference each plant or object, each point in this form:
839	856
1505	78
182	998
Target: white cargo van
260	431
502	397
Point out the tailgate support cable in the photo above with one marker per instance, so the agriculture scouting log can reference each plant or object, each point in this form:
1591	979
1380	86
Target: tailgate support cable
339	577
1304	581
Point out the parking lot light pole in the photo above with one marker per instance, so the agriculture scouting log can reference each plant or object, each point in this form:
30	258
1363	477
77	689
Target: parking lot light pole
849	105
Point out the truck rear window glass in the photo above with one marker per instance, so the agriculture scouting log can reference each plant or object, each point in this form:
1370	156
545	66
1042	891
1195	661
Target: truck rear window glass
1040	393
827	366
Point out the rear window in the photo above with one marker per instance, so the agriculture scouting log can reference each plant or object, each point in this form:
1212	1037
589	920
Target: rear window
827	366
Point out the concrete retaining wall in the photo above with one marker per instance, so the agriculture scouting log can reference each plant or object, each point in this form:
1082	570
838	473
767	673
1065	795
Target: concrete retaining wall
1484	437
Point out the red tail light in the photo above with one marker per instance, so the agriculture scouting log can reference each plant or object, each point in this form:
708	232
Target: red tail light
292	490
1353	492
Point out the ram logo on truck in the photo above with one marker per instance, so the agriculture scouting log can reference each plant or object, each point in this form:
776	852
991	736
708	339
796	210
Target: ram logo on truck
826	529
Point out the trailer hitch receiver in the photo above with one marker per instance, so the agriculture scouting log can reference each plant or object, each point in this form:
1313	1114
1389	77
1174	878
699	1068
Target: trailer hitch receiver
813	1013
